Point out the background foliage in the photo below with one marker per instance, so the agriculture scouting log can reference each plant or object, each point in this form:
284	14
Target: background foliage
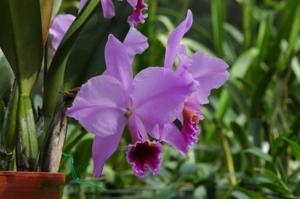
249	142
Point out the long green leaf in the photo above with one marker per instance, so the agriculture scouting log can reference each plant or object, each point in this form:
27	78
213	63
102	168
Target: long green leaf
9	133
218	21
21	39
55	76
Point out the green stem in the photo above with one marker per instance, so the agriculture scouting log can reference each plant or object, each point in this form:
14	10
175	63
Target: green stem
27	146
228	158
218	20
8	136
247	7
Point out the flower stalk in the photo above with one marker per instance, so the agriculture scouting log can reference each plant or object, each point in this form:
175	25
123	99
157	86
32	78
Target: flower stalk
228	158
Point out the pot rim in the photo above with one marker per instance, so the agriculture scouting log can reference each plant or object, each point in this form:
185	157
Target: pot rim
33	174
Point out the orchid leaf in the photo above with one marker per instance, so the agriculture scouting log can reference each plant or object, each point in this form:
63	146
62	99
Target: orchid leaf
21	39
46	12
6	75
259	153
87	55
55	76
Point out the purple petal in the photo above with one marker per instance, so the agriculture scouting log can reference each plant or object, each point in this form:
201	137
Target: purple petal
184	60
103	148
172	135
137	16
136	128
108	8
100	105
135	43
173	43
191	117
117	61
158	95
82	4
132	3
210	72
144	156
60	25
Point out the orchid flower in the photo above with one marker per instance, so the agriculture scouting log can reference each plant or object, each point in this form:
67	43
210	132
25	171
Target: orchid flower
59	27
135	18
106	103
210	73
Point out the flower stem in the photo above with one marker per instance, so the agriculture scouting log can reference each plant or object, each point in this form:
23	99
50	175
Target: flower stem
228	158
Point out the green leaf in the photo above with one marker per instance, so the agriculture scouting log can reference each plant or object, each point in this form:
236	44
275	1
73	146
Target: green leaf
251	194
247	8
27	149
234	32
259	153
9	130
260	90
21	39
6	75
243	63
240	195
218	21
87	55
82	161
55	76
2	112
238	97
294	146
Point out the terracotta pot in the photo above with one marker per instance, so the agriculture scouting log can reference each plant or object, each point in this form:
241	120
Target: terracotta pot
31	185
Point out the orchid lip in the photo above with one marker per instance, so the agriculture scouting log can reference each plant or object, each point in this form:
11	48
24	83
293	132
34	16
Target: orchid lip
144	156
190	129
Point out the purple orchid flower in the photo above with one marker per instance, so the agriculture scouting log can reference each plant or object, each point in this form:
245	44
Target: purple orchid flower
106	103
135	18
59	27
210	73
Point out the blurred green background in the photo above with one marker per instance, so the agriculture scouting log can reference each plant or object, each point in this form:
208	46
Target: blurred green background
249	142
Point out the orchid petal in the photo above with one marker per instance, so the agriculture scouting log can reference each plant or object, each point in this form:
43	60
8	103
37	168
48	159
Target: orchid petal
172	135
135	43
82	4
108	8
100	105
137	16
117	61
210	72
60	25
158	95
103	148
132	3
173	43
136	128
184	60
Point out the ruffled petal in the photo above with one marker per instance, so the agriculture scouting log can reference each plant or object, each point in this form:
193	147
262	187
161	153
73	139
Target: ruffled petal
108	8
137	16
118	62
135	43
144	156
173	44
210	72
100	105
103	148
158	95
60	25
